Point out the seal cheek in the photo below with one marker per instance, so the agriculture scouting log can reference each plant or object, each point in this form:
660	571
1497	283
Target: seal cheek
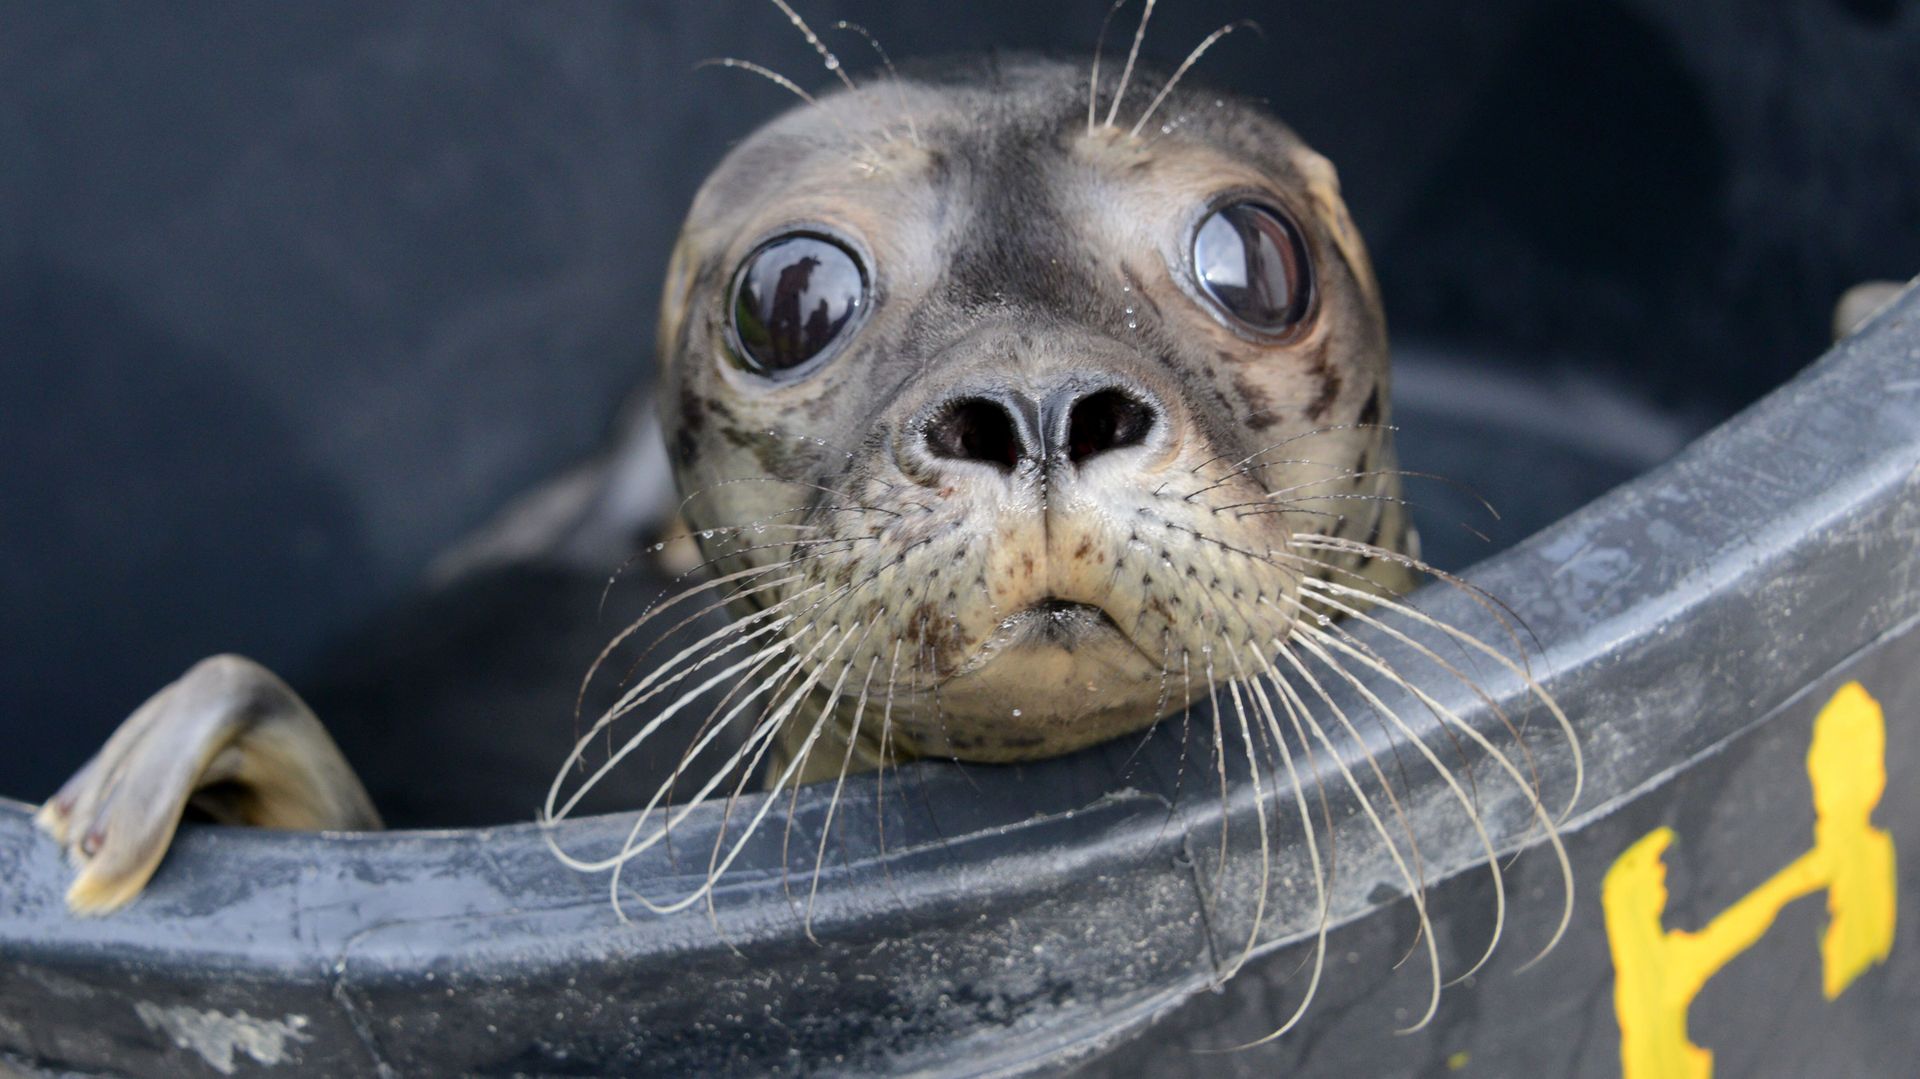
692	426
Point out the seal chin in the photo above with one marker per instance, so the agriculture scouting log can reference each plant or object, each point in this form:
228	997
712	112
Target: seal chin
1054	677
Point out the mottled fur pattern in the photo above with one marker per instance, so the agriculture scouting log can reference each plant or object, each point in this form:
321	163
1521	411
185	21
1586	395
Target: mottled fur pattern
1013	246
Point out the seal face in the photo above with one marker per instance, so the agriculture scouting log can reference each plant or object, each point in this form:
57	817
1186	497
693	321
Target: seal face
1015	420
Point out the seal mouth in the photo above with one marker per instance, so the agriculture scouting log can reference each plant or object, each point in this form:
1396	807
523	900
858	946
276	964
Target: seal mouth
1060	623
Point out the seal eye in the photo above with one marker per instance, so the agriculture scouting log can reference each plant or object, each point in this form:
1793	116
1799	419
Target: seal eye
1252	263
792	299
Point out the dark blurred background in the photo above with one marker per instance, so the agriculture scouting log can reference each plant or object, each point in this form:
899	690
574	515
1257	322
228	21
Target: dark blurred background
291	296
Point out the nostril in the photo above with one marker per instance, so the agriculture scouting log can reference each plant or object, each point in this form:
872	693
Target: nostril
975	429
1106	420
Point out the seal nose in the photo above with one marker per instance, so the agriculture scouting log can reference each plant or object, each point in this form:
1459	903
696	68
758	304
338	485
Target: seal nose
995	431
1106	419
1005	428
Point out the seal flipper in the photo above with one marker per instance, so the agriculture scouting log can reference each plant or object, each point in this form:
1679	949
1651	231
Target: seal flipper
228	737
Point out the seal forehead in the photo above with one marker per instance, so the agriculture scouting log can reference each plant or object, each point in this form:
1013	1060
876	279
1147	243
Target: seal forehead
988	178
987	120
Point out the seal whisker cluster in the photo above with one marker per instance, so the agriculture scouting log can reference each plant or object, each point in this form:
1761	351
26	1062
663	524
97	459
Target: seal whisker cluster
1180	72
1278	666
893	76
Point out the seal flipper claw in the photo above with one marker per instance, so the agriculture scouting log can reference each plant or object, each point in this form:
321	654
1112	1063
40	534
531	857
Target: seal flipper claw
228	737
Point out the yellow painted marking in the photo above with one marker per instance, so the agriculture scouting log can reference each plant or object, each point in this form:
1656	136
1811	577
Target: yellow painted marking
1457	1061
1658	972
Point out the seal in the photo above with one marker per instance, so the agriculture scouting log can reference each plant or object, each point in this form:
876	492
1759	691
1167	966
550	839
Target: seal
1012	412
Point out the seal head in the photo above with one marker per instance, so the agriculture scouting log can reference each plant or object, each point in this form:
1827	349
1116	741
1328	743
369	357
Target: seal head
1015	419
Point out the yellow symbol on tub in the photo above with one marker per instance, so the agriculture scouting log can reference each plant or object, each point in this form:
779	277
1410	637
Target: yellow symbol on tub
1658	972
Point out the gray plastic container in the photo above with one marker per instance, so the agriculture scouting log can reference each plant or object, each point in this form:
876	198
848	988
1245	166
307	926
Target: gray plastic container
288	300
1693	622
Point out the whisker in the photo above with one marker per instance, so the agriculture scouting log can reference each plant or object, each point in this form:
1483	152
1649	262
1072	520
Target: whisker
1369	594
718	866
845	591
1314	648
827	58
626	704
821	724
1198	51
833	803
718	605
654	611
1465	679
1348	474
1487	601
1240	470
789	704
893	76
1519	670
1300	714
1133	54
1260	817
760	730
788	85
1447	715
1416	887
761	70
1093	81
652	725
1294	505
1290	440
1322	894
880	782
1220	762
654	683
746	690
1413	474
